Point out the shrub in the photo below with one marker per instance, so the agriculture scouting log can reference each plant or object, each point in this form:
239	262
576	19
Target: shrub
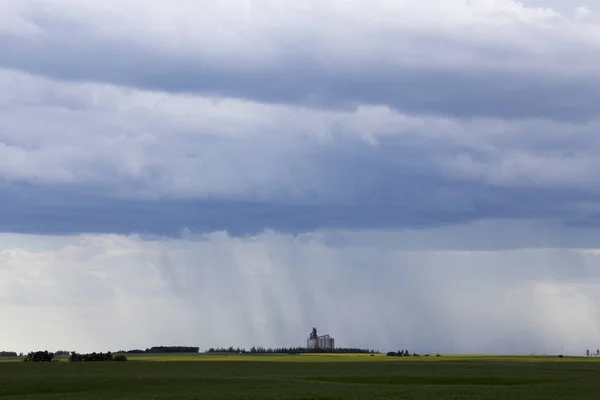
120	357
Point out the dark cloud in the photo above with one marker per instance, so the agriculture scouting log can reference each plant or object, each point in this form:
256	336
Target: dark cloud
460	92
90	169
491	77
38	210
293	183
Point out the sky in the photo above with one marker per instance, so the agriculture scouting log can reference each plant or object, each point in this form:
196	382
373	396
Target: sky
414	174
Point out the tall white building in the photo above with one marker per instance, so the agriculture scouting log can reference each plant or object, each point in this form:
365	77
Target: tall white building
316	342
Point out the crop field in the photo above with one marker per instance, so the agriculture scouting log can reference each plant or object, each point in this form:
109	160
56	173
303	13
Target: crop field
305	377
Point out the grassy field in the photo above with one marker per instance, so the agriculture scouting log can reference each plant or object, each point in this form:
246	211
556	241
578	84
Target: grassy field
306	377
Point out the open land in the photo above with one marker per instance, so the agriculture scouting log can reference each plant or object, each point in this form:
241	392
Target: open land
305	376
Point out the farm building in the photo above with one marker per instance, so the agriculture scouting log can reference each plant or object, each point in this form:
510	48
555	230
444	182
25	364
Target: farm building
316	342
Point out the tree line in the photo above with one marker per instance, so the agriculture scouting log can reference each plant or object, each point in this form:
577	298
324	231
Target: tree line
163	349
14	353
76	357
288	350
406	353
46	356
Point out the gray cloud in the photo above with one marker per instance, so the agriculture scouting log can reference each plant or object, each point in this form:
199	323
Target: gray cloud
71	155
324	56
424	205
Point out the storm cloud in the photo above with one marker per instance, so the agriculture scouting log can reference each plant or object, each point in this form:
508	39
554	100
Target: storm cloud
433	162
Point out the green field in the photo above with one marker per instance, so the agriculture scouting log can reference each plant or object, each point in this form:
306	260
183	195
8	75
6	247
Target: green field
305	377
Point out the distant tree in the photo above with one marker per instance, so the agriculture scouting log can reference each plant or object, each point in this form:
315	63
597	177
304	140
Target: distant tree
173	349
135	351
164	349
8	354
40	356
75	357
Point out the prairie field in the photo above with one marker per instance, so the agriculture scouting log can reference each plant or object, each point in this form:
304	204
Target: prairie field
337	376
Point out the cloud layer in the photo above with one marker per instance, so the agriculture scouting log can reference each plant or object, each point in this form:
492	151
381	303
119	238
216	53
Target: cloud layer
76	151
477	58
